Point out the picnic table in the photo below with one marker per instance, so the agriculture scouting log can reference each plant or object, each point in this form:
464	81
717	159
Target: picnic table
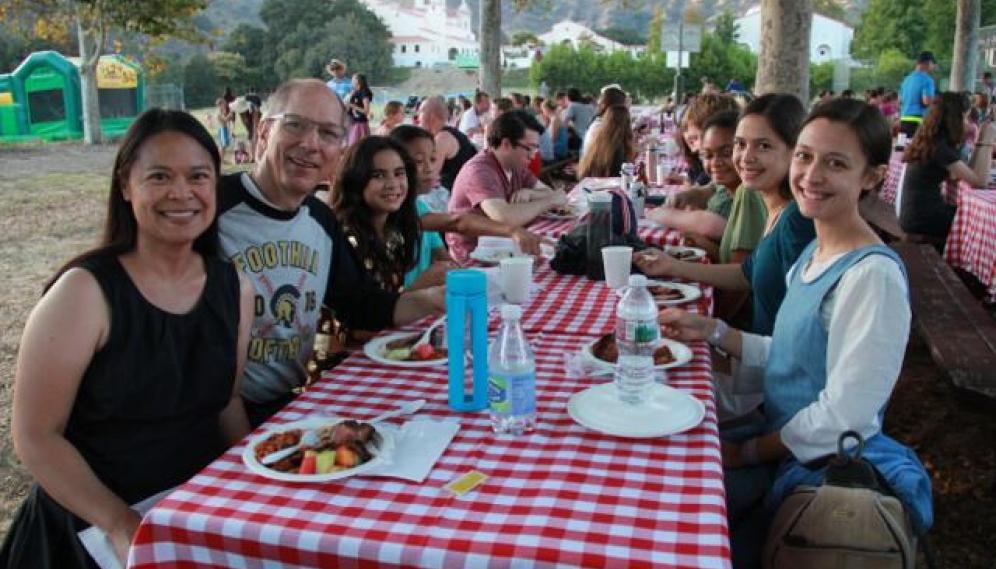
971	243
563	496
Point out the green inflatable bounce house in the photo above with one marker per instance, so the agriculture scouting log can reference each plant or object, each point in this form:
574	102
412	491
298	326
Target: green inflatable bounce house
40	100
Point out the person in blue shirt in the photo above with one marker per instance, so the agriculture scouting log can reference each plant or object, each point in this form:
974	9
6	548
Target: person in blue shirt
340	83
916	93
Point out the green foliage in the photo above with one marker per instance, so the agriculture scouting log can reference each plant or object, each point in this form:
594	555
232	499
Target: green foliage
820	77
897	24
645	77
301	36
830	8
941	18
249	42
201	84
726	29
912	26
655	29
721	62
15	46
525	38
229	67
515	80
889	72
892	67
625	36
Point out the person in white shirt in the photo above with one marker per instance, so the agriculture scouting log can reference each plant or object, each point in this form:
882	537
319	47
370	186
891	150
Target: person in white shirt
839	337
475	120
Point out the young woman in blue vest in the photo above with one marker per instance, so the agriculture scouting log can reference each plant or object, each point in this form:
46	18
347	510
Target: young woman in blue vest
838	341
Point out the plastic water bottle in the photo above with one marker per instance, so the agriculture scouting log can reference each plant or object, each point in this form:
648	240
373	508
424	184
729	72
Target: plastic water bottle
512	377
637	334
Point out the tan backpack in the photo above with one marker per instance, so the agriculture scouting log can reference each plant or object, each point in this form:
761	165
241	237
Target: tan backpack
852	521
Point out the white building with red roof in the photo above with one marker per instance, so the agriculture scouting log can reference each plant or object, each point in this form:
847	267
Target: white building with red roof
426	33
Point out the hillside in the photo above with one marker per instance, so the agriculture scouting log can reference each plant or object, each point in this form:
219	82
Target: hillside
596	14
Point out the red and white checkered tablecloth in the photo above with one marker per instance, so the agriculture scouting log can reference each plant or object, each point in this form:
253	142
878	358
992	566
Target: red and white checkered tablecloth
561	497
971	242
568	304
890	187
655	235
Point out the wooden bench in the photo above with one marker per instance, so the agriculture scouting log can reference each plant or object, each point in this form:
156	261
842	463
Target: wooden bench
881	215
960	333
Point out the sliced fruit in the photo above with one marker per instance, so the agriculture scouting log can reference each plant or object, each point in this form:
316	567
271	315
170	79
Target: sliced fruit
346	457
308	463
324	461
424	352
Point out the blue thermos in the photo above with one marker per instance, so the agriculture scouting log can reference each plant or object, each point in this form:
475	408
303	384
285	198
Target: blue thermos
467	297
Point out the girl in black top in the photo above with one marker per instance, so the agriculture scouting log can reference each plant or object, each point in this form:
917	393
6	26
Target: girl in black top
933	158
358	104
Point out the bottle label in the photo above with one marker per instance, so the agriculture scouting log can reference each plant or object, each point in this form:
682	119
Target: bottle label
642	330
513	394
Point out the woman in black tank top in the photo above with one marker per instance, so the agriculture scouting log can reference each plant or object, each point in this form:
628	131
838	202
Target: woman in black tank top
126	381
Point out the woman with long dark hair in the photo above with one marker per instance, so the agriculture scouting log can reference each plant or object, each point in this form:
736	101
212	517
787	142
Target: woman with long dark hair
358	104
127	380
612	146
374	199
610	97
933	158
371	199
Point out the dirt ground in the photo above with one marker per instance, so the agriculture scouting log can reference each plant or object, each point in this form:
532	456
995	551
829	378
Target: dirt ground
52	201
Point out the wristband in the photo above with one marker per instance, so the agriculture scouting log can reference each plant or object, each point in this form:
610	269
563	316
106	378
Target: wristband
718	334
748	452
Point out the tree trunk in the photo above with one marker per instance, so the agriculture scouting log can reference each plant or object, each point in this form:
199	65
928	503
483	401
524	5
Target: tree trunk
966	52
783	65
490	34
90	47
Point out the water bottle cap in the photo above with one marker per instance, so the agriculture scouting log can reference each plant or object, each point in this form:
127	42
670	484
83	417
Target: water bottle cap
466	282
637	280
511	312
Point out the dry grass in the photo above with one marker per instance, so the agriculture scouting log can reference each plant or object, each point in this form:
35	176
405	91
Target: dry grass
52	198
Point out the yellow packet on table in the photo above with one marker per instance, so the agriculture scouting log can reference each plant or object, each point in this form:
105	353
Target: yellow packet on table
465	483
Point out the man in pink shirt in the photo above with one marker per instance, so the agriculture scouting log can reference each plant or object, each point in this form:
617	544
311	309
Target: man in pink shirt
498	183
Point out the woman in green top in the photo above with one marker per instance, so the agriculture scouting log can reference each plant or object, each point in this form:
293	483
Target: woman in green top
708	221
763	144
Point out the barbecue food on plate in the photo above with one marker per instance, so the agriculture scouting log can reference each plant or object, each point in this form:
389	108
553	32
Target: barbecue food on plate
663	292
685	254
606	350
340	446
405	350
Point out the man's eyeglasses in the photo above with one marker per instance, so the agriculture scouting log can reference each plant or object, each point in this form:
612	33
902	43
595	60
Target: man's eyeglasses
529	148
330	134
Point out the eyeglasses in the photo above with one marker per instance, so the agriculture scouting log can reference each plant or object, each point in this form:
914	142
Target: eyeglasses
529	148
330	134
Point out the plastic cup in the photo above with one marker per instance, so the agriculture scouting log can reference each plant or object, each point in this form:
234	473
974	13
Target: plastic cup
516	275
617	260
663	169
